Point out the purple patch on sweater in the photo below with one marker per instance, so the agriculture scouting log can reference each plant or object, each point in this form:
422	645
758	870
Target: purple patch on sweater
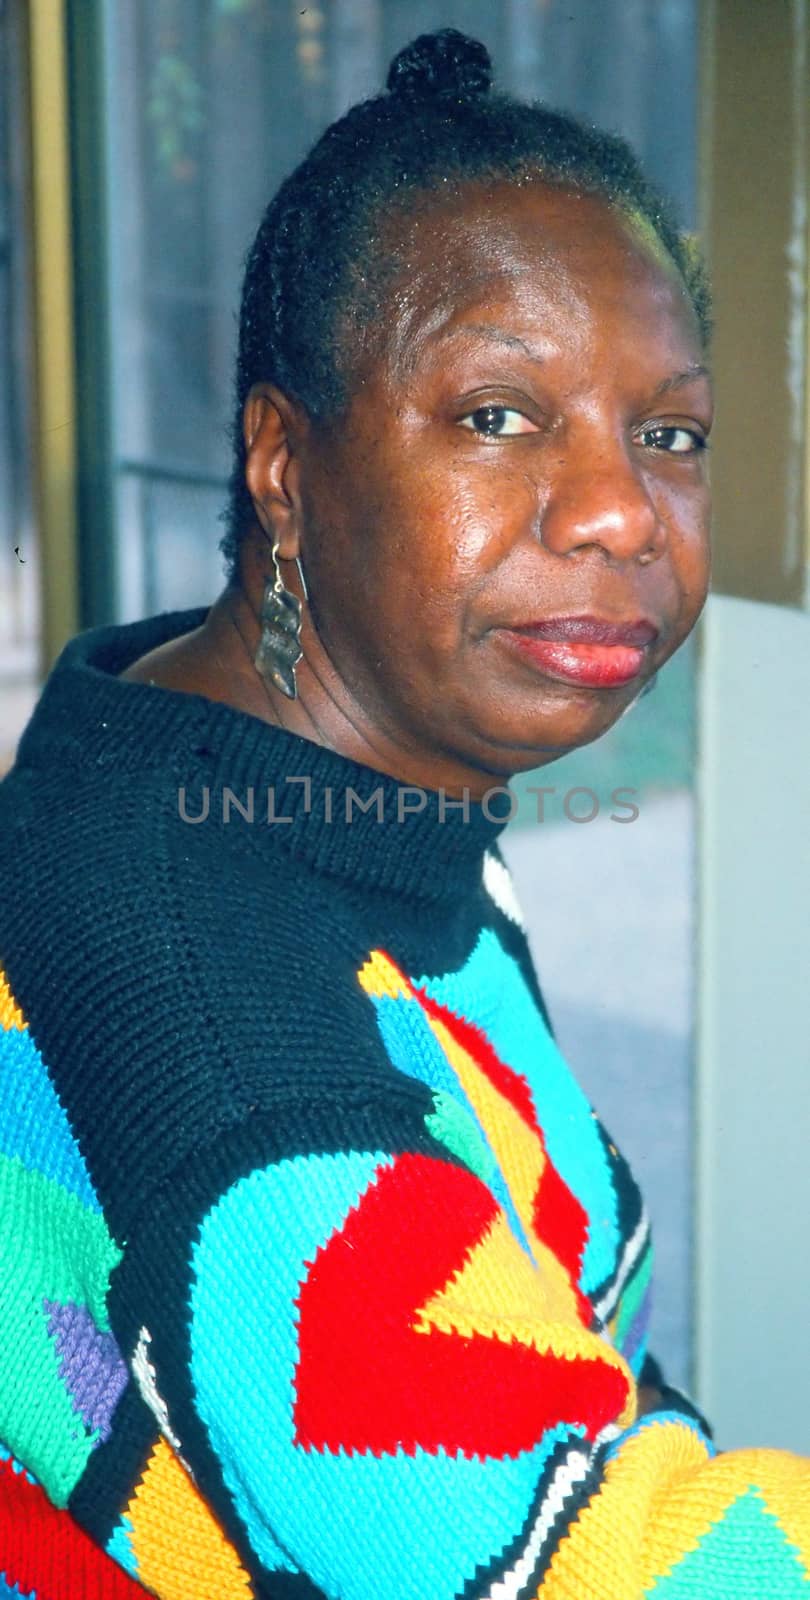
90	1363
638	1327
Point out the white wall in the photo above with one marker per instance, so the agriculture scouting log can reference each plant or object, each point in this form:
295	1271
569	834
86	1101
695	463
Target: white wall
753	1040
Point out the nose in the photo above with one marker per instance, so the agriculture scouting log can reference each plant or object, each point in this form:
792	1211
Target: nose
599	498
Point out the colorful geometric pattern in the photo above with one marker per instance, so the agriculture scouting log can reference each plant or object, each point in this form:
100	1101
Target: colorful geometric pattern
736	1527
500	1101
445	1300
414	1363
90	1364
62	1374
60	1371
42	1551
268	1238
169	1541
490	994
428	1282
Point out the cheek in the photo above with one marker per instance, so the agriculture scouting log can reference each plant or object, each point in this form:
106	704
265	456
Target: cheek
682	503
409	550
687	518
463	523
694	542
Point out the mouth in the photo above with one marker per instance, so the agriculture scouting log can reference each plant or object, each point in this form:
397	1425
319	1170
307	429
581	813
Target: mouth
592	651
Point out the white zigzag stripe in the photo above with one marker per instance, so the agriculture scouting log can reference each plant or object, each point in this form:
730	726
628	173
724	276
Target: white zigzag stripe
569	1473
499	886
146	1378
635	1245
607	1435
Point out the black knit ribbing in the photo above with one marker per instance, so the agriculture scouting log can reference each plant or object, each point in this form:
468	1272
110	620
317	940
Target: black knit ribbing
416	842
179	957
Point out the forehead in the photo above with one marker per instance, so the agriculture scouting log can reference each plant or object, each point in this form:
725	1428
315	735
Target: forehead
563	264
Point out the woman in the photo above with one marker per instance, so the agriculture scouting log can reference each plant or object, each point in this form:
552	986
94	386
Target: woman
325	1278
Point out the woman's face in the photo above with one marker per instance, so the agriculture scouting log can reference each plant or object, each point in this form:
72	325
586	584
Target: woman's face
524	447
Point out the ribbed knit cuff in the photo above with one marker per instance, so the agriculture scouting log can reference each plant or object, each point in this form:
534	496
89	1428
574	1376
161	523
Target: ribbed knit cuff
671	1399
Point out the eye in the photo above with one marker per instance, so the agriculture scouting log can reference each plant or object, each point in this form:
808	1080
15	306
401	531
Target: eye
497	422
674	440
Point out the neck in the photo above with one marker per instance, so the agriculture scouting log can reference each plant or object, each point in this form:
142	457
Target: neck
325	711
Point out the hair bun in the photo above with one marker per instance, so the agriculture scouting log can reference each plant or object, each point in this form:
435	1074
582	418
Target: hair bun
443	63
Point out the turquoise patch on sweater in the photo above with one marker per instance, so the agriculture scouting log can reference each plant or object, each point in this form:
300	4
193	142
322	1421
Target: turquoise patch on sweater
119	1546
415	1050
254	1251
491	992
745	1554
33	1126
13	1592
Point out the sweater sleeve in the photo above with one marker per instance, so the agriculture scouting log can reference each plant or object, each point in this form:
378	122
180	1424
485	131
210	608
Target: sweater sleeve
380	1391
670	1399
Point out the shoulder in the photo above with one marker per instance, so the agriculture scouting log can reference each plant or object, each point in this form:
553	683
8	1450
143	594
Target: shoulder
170	980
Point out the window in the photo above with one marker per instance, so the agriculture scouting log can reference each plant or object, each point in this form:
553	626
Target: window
18	560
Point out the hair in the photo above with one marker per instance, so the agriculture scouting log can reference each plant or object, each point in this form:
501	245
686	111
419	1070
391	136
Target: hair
317	271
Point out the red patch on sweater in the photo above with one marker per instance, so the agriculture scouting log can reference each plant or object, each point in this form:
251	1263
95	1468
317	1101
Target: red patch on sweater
366	1380
42	1550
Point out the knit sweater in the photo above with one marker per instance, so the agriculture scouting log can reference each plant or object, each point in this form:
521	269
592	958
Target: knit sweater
320	1275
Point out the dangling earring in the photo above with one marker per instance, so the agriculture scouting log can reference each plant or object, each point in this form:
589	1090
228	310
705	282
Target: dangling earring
279	649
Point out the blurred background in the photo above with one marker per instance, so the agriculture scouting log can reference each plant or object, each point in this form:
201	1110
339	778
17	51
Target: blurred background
139	143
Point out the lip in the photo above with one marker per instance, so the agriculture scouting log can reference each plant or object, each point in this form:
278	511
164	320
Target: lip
589	630
585	650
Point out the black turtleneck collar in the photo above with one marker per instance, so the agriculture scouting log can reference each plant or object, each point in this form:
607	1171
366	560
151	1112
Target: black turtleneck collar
347	819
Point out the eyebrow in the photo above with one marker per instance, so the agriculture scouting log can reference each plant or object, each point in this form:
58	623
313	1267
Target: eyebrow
678	379
487	330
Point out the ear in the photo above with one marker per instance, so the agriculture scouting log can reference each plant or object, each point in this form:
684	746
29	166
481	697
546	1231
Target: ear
273	428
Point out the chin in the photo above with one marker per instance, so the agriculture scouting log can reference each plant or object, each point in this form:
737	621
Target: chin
531	740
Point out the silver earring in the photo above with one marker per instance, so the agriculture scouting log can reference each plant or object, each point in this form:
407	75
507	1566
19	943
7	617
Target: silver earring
279	649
